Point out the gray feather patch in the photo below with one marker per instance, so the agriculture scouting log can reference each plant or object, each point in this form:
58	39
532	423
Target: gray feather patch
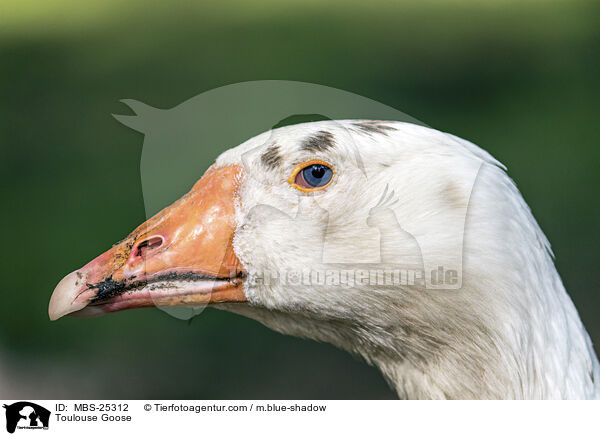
322	141
369	127
271	158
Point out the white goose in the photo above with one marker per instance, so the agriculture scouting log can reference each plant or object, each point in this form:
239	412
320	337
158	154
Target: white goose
313	197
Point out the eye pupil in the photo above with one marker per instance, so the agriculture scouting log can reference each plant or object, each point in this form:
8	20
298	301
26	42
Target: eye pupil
318	171
315	176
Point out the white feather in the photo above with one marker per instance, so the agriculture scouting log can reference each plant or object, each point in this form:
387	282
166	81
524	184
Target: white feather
510	331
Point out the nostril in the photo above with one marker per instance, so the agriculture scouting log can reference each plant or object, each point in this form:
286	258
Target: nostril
147	245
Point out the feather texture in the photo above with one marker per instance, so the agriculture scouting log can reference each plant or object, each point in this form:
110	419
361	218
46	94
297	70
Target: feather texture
505	329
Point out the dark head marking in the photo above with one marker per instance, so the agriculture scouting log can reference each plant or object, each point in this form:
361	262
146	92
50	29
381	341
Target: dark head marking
322	141
271	158
369	127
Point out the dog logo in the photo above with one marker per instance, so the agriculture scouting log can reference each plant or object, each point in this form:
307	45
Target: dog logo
26	415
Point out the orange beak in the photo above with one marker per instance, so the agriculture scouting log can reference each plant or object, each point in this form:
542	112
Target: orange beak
183	256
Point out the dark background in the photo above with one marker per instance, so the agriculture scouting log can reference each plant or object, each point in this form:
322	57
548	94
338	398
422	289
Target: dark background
518	78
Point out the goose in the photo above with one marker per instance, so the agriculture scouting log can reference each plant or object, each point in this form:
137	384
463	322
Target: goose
346	198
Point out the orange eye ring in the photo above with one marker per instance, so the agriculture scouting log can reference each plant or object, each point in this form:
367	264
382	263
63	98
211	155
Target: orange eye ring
293	179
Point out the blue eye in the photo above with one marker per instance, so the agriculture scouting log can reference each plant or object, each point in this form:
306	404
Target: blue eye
314	176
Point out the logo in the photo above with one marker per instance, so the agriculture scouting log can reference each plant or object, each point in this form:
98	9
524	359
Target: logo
26	415
395	241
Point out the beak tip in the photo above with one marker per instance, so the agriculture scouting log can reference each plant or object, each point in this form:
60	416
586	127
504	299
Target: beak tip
63	300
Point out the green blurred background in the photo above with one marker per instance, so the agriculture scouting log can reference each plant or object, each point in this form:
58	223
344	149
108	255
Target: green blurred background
521	79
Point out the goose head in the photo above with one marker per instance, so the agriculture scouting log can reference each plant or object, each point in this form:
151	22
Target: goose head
401	244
